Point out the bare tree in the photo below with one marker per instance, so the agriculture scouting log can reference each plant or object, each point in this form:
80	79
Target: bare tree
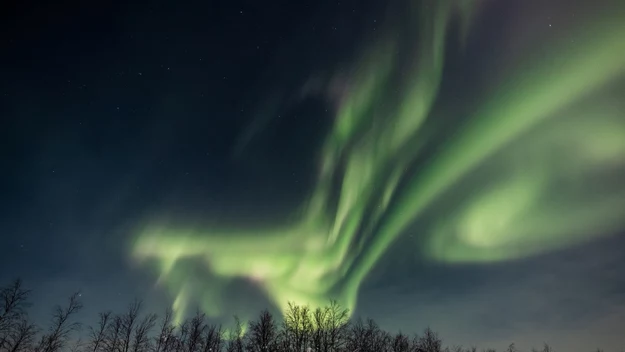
164	338
129	320
298	327
196	330
179	340
376	338
112	341
401	343
383	342
327	329
76	346
20	337
263	334
97	334
319	334
511	348
14	301
62	326
429	342
235	337
213	340
368	337
141	338
356	336
322	334
336	327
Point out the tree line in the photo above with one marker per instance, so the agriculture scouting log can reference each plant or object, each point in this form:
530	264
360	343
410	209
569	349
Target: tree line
327	329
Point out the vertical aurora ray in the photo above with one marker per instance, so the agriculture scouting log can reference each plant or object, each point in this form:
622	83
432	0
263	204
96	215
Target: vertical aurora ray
537	128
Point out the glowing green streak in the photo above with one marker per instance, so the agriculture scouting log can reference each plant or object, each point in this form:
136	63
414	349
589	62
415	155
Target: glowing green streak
340	237
546	206
306	263
528	99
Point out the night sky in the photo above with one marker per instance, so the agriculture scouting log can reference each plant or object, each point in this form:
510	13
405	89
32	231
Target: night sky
457	164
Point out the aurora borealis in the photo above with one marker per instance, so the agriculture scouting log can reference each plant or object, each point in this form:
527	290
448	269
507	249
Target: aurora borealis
457	164
540	133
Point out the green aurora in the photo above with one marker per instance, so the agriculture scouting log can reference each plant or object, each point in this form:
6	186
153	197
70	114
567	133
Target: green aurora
513	180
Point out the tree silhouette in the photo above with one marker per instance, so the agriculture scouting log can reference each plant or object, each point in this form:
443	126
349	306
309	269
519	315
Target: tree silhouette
128	322
97	335
428	342
235	337
112	340
213	341
77	346
330	326
61	326
163	340
326	329
263	334
20	337
14	301
367	337
141	338
401	343
297	327
196	330
511	348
